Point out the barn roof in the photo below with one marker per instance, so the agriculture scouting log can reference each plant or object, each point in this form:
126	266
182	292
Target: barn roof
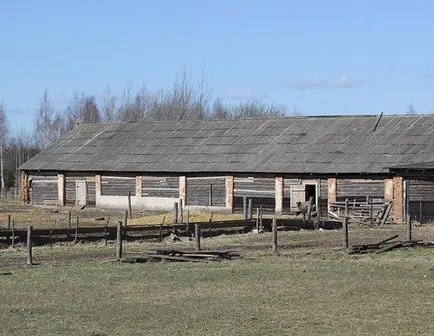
415	166
332	144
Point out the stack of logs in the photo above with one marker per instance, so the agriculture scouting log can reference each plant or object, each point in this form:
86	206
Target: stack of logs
371	211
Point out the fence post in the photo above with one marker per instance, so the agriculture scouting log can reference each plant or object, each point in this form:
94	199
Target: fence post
9	222
257	219
371	211
175	212
13	233
105	230
245	207
309	208
69	224
420	210
261	227
346	207
119	240
181	211
187	222
76	229
130	210
249	209
197	236
345	227
409	229
210	195
29	246
126	218
274	229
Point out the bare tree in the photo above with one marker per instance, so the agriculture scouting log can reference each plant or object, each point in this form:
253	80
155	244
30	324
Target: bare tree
219	110
410	109
74	110
3	136
135	108
258	109
43	125
108	108
90	112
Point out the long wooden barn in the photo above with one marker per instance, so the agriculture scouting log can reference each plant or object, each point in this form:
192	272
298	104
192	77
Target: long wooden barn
213	164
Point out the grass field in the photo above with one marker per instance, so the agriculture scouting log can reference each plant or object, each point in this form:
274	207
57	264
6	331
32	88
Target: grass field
308	289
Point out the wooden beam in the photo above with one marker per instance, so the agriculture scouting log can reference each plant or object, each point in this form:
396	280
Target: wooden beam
61	189
398	199
388	189
229	185
278	195
331	190
139	186
183	189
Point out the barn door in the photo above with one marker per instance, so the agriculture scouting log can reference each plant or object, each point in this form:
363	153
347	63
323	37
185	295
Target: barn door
297	194
80	192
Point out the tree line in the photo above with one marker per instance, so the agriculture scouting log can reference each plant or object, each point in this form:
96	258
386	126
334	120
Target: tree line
185	100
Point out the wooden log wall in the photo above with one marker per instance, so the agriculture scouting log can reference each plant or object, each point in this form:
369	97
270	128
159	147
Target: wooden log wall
359	189
323	198
288	183
160	186
118	185
70	188
260	189
421	199
198	191
43	189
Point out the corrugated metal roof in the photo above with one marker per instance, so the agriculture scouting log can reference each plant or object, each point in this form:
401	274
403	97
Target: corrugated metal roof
335	144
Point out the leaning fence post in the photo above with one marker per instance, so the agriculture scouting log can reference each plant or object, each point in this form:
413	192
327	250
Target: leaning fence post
130	210
197	236
119	239
409	229
29	246
274	230
345	227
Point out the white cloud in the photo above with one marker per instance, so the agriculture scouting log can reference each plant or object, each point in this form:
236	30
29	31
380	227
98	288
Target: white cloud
245	94
342	82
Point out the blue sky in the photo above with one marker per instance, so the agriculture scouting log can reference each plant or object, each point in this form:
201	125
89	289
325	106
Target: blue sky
324	57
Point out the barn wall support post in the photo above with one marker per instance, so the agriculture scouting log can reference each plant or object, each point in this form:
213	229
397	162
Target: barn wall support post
97	189
25	187
388	189
139	186
61	189
398	198
278	195
229	186
183	189
332	190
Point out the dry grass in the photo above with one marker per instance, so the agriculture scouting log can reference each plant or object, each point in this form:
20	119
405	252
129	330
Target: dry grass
303	291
